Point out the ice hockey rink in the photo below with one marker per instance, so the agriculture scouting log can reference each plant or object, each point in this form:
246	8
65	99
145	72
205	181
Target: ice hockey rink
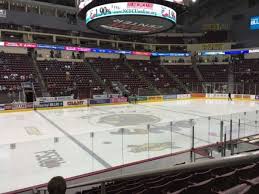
37	145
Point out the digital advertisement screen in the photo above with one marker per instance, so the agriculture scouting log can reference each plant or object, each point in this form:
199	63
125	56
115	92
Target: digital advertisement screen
82	3
254	23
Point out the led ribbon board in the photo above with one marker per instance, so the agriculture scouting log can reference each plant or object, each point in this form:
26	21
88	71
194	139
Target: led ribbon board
131	18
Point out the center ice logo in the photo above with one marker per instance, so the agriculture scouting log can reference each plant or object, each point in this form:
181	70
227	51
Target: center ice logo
49	159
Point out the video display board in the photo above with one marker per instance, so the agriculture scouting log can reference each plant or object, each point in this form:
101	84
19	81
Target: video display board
82	3
254	23
130	18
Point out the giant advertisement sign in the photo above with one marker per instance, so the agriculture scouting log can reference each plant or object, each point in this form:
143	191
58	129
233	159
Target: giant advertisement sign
82	3
130	17
254	23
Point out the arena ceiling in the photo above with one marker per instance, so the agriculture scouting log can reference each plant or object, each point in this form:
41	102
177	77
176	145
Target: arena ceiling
70	3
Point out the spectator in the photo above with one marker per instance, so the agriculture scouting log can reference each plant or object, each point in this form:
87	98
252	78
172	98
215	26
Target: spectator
67	75
51	54
22	77
57	185
73	55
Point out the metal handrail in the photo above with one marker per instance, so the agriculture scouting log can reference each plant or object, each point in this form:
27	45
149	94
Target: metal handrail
215	163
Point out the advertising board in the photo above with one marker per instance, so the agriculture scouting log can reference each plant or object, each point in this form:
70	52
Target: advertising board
23	105
170	97
119	100
155	98
49	104
100	101
2	107
75	103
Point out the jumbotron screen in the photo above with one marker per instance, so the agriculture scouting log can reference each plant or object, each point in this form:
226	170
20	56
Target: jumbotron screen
129	17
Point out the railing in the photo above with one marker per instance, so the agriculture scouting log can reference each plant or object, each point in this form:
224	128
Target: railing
243	158
223	87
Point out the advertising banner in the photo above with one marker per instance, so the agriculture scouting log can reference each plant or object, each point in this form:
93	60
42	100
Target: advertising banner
17	106
77	49
2	107
50	104
246	96
169	97
75	103
93	50
119	100
211	53
155	98
216	95
100	96
140	98
113	95
257	97
123	52
198	95
60	98
236	52
8	107
238	95
171	54
52	47
20	44
184	96
100	101
141	53
96	50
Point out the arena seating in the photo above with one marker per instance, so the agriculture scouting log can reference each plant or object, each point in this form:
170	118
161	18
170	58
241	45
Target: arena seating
153	72
184	72
246	72
214	72
214	37
114	70
66	78
15	69
80	77
247	68
243	178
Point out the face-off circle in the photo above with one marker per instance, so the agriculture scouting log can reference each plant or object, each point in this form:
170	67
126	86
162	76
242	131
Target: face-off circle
127	18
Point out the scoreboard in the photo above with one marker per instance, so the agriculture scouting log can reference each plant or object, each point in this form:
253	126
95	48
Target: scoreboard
132	17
